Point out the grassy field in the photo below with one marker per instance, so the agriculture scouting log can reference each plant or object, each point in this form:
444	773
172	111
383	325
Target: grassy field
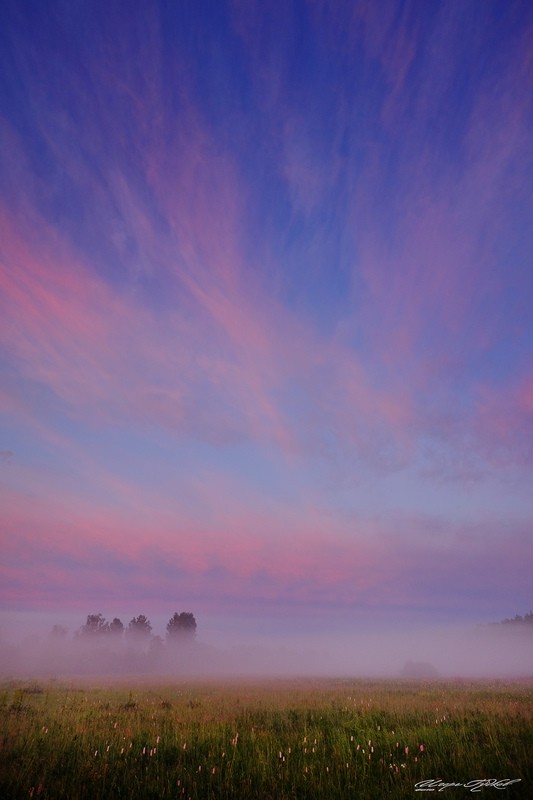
272	739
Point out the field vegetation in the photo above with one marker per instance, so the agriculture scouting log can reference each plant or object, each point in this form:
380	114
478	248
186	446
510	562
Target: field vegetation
275	739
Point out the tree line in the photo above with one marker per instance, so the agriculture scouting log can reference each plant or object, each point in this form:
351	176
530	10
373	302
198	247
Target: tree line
527	619
181	627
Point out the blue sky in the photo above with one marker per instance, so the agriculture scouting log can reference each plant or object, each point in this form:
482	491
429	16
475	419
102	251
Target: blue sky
265	322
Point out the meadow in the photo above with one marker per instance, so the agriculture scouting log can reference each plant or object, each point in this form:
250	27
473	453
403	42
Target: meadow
277	739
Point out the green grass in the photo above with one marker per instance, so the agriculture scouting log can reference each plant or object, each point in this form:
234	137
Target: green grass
271	739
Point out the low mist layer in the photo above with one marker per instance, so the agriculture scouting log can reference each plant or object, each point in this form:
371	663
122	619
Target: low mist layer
483	651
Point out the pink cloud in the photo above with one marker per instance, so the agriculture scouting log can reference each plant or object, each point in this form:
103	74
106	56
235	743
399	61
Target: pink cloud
244	547
221	358
253	559
105	356
227	369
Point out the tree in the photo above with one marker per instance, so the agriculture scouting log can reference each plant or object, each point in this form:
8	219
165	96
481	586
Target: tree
181	627
139	629
519	620
96	625
116	628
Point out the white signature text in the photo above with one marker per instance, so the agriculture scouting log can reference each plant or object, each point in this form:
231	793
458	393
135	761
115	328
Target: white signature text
432	785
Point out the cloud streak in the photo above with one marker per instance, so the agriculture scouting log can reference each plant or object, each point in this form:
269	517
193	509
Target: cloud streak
263	301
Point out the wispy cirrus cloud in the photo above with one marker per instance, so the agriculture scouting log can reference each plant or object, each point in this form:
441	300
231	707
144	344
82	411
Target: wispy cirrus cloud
256	286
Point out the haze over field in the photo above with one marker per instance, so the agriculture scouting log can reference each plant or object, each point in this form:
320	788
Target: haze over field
266	331
482	652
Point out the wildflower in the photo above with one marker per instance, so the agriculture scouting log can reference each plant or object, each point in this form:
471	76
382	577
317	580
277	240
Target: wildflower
421	748
184	745
406	751
157	740
213	771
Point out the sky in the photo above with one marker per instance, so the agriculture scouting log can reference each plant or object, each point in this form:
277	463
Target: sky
265	312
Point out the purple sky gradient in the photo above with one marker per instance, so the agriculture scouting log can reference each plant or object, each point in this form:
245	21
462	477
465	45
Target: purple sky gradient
266	291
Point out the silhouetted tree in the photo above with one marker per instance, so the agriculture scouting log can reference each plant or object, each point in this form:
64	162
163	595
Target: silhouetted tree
96	625
139	629
181	627
519	620
116	627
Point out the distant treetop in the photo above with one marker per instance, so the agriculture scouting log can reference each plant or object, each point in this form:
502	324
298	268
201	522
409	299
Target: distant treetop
181	626
96	625
527	619
139	627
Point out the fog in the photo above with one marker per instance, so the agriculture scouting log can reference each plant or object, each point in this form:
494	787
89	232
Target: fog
491	651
